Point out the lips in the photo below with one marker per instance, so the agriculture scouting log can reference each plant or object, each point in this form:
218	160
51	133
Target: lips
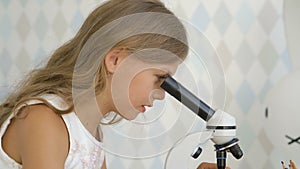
143	109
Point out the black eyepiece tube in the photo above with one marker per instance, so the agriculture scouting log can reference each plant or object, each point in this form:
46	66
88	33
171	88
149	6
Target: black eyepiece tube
178	91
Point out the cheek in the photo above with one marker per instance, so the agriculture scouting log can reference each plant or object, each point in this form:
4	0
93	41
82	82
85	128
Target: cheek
140	88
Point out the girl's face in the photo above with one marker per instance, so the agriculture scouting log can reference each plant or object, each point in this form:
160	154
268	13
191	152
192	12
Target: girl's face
145	88
136	85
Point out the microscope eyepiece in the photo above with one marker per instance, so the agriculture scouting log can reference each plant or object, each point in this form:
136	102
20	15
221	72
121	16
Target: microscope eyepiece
187	98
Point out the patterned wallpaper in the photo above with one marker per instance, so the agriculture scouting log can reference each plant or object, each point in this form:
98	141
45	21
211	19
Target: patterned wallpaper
248	35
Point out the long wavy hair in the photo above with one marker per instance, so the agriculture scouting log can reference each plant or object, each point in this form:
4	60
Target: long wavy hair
56	77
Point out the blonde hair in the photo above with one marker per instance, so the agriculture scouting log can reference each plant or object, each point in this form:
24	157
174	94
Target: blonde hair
57	76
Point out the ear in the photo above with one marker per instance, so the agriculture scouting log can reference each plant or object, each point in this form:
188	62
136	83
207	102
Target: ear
113	59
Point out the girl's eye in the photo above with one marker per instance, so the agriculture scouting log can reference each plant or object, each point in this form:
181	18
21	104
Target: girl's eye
160	78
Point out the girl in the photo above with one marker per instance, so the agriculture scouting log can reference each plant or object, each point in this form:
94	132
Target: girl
115	63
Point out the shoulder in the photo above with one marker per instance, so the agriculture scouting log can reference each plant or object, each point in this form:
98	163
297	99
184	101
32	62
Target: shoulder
42	136
40	118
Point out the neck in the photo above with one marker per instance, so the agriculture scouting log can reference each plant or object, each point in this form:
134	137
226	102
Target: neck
90	111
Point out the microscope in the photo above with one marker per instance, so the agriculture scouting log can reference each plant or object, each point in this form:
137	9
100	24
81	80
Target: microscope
222	124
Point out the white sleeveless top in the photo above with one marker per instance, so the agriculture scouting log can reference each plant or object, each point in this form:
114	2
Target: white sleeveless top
85	151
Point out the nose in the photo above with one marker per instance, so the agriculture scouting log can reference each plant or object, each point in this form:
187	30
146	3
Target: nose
158	94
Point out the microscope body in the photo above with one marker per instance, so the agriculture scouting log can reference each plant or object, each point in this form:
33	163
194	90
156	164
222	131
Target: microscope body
223	127
222	124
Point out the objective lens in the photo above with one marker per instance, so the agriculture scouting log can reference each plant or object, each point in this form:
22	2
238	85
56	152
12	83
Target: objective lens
221	159
236	151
